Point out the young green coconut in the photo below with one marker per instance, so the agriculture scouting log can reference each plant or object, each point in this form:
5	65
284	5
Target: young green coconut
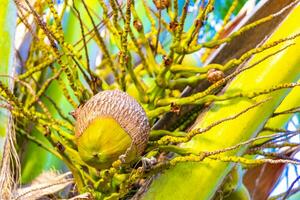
110	126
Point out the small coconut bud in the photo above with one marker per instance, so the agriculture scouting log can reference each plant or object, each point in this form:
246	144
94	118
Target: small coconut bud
138	25
111	125
161	4
173	25
214	75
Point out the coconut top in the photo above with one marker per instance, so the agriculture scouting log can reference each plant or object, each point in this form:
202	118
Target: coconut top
121	107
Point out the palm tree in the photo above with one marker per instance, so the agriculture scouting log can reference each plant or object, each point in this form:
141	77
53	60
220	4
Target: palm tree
217	85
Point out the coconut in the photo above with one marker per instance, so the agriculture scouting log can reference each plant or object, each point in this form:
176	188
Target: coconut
214	75
111	125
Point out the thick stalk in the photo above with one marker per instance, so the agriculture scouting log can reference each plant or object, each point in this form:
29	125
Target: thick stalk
261	180
201	180
8	154
282	115
7	31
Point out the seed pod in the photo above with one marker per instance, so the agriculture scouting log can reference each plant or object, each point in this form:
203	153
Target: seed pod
214	75
109	125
